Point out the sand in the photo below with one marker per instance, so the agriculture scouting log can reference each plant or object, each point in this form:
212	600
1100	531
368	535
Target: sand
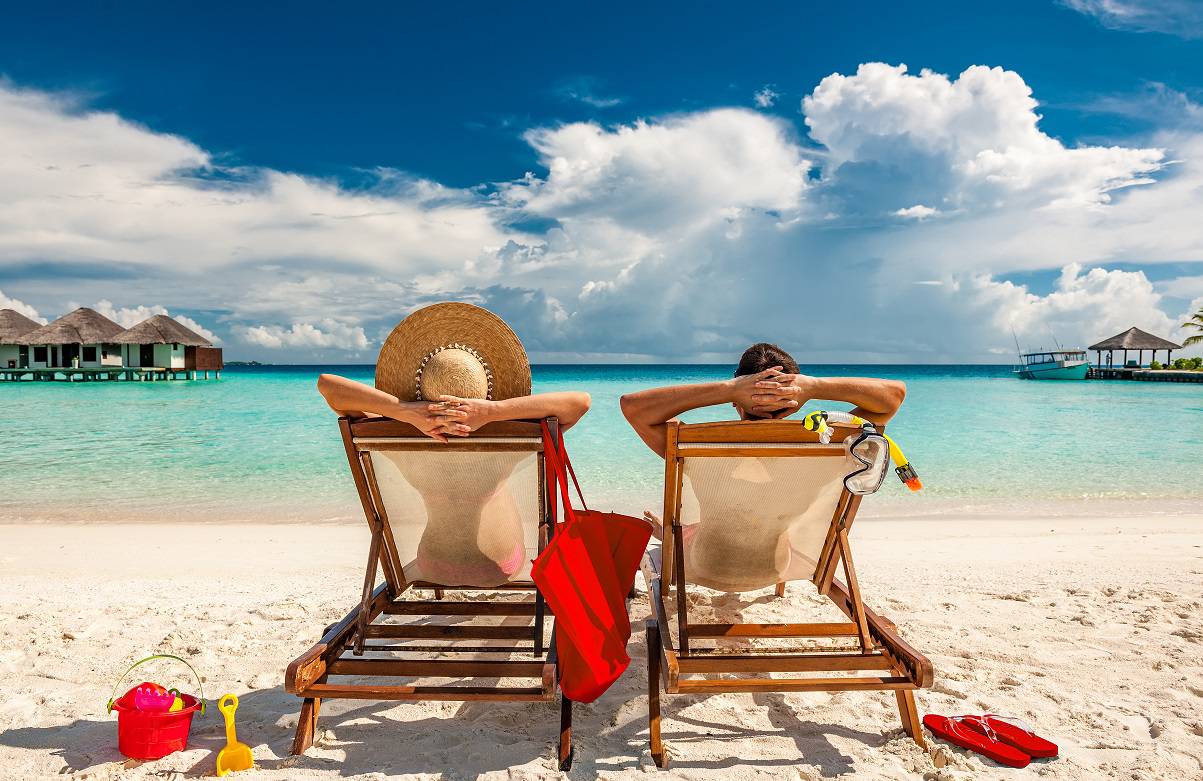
1089	629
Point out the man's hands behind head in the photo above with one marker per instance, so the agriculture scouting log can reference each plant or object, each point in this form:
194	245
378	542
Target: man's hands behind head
772	393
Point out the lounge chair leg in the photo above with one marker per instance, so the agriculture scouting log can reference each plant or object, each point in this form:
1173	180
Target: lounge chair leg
858	607
369	585
438	593
306	725
910	716
540	613
653	695
781	589
565	749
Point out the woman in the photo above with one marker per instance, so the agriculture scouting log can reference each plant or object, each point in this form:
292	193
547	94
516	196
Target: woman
449	369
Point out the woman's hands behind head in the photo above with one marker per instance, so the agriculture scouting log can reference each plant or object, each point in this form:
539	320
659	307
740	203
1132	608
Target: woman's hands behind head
470	413
459	416
438	420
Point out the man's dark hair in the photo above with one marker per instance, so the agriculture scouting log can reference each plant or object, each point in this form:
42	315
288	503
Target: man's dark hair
763	356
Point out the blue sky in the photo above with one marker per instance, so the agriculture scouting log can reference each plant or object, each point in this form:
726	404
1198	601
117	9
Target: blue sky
417	149
445	90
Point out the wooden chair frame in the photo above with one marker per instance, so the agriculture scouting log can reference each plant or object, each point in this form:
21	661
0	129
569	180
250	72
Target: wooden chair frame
340	651
880	649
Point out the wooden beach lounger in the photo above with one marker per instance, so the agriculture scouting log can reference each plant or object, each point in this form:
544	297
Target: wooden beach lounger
748	505
403	628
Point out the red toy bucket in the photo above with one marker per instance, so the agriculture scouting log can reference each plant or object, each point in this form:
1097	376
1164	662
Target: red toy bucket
150	734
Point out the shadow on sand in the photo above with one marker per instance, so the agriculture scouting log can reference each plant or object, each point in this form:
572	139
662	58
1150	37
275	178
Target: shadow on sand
502	734
367	738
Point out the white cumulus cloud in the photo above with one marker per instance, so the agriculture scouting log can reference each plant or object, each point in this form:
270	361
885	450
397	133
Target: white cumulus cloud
891	237
130	316
197	328
127	317
1085	305
18	305
325	334
686	170
81	186
969	142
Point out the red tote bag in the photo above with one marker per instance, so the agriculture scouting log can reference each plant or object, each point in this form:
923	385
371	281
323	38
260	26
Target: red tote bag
585	572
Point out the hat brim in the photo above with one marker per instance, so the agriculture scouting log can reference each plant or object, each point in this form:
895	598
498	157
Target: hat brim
440	325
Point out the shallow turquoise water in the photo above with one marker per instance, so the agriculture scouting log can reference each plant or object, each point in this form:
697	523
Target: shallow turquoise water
260	443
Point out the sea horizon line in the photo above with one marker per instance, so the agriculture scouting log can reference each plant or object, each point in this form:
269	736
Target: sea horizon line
244	364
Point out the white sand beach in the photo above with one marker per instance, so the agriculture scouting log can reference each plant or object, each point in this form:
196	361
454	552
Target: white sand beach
1091	630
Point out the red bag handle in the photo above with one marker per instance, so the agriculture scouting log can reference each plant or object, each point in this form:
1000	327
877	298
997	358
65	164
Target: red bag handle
568	463
551	458
556	457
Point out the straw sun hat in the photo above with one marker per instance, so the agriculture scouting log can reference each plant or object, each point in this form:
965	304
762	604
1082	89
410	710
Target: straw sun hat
454	349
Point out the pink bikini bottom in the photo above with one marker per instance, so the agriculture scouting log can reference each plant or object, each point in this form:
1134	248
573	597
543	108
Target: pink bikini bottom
457	574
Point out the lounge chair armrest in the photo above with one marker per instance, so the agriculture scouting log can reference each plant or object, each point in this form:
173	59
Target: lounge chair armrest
649	565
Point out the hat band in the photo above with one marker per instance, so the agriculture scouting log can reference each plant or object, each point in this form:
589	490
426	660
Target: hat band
454	346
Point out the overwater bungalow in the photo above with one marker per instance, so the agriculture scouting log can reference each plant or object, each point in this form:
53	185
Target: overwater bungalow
14	325
161	342
86	345
82	339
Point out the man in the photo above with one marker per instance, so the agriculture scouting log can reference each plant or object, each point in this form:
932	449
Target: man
748	543
767	384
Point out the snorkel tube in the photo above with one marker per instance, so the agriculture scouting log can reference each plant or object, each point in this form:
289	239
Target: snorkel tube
817	422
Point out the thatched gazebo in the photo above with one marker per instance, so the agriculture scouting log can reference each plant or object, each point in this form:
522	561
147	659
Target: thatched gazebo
166	343
13	325
1134	339
84	335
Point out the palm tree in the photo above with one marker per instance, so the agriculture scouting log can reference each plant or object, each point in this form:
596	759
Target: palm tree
1195	322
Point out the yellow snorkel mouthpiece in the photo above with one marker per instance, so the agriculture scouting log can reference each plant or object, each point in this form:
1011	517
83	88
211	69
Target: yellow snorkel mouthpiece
817	422
906	473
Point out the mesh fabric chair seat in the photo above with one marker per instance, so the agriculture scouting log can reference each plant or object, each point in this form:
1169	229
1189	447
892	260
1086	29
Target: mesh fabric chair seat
464	516
749	505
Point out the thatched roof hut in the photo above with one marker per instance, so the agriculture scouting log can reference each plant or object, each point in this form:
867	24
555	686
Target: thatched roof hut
14	325
1134	339
161	329
83	326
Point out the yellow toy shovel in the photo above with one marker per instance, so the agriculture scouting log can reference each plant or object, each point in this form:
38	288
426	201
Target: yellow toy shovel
235	756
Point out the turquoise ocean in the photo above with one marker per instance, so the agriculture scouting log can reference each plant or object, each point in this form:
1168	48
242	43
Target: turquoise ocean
261	445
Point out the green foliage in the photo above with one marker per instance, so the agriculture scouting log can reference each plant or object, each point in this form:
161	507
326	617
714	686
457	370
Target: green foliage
1196	363
1195	322
1179	363
1155	365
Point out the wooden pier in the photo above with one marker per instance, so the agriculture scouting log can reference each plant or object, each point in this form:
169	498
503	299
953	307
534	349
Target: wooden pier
104	374
1143	375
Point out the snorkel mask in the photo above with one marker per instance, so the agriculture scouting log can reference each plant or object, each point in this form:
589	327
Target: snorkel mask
869	451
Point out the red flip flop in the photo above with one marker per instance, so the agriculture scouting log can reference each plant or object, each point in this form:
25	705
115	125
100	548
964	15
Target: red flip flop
1012	732
958	734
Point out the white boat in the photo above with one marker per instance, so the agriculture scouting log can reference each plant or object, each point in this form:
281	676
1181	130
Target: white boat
1054	365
